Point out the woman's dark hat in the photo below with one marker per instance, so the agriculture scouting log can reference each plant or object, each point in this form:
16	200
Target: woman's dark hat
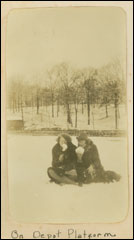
66	136
82	136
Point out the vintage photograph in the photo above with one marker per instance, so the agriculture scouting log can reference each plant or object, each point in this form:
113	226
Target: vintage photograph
66	115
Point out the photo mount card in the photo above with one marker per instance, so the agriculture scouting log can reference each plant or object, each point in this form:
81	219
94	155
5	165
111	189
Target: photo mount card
67	120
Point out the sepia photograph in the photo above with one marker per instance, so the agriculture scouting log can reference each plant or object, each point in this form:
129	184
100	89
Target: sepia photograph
66	115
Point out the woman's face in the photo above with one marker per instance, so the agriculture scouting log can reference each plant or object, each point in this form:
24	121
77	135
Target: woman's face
82	143
62	141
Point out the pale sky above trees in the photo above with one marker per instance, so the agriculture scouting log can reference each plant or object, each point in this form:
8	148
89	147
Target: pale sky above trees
40	38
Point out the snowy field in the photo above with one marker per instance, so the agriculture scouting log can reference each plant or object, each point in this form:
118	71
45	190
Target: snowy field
34	200
44	119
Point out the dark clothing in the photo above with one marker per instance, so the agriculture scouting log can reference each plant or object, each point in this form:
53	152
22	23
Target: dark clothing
69	158
69	161
91	157
60	178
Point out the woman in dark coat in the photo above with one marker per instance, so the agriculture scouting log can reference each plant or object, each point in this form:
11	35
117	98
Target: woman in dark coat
63	160
89	167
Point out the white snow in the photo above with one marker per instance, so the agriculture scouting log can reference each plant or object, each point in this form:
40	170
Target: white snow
44	119
34	200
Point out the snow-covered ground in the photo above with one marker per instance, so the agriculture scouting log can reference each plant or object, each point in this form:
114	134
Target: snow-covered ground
44	119
34	200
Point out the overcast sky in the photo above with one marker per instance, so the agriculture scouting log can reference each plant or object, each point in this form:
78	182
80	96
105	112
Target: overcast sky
39	38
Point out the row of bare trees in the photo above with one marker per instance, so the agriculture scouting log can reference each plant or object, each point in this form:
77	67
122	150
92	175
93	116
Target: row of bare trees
63	85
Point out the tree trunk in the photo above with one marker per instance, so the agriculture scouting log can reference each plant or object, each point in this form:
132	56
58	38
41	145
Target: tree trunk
76	112
32	102
58	107
82	104
18	103
38	105
69	120
93	118
116	118
22	115
88	109
52	105
15	105
88	113
116	112
106	107
52	110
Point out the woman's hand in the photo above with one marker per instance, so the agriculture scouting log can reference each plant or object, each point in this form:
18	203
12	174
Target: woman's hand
79	151
91	171
64	147
61	158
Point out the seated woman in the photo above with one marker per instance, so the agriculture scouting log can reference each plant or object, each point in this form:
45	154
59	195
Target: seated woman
64	160
89	167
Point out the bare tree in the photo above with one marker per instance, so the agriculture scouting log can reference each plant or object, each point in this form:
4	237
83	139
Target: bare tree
103	89
77	92
89	78
65	82
52	85
16	92
113	86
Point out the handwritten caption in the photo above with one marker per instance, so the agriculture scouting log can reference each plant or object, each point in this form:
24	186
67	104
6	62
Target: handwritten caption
70	234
